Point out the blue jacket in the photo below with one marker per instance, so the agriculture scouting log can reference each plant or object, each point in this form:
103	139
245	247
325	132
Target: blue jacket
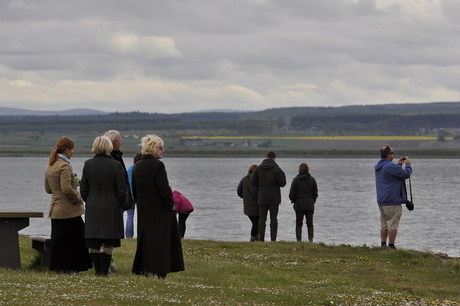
389	182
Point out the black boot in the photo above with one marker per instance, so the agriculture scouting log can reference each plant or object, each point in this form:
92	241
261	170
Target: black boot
96	259
311	233
298	233
273	233
261	233
106	259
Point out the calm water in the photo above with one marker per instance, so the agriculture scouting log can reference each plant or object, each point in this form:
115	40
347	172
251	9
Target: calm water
346	210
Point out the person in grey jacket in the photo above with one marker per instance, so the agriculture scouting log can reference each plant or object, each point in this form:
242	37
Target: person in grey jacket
105	192
251	208
268	178
303	193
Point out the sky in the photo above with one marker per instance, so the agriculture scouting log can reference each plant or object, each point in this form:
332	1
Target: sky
246	55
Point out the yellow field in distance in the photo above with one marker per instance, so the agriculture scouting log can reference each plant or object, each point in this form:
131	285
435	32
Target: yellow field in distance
422	138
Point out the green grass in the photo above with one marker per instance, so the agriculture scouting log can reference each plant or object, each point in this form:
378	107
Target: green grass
289	144
244	273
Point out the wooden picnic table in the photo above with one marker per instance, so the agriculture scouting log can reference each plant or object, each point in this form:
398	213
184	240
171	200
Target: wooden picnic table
11	222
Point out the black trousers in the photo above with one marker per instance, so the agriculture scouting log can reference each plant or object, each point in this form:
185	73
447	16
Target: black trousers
182	218
255	225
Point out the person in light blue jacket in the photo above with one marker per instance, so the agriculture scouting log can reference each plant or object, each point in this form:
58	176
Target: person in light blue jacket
391	192
129	232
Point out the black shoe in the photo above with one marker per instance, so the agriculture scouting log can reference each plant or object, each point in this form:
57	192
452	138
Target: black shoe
392	246
106	259
96	258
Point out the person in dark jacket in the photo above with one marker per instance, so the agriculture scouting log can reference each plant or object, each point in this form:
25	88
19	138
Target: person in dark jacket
391	193
103	189
159	247
268	178
303	193
251	208
116	154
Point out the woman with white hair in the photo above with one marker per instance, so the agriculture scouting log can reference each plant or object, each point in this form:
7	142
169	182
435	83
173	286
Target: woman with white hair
104	190
159	248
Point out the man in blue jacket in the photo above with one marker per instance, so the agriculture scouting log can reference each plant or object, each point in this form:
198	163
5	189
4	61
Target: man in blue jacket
391	192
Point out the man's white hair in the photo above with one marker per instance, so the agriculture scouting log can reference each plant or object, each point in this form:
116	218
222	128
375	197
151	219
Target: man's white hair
112	135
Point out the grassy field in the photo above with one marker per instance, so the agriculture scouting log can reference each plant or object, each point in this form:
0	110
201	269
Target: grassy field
380	138
244	273
290	145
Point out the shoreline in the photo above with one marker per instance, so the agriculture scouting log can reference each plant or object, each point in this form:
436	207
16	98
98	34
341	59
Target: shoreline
441	255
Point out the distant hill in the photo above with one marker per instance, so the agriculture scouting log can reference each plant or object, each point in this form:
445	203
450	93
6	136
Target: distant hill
223	110
391	119
283	113
287	113
10	111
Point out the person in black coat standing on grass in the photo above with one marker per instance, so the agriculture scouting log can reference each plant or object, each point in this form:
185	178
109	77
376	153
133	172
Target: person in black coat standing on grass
106	195
159	247
251	209
303	193
268	178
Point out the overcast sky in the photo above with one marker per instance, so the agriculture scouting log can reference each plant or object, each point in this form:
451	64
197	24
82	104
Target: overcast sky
180	56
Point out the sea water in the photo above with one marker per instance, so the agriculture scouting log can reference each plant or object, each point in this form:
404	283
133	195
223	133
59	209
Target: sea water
346	209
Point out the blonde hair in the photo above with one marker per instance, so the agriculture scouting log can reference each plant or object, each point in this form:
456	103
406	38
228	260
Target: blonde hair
62	144
102	144
151	144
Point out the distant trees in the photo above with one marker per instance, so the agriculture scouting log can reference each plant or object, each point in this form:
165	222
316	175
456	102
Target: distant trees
376	123
329	121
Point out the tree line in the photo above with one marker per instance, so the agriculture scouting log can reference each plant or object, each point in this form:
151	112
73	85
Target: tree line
392	119
393	124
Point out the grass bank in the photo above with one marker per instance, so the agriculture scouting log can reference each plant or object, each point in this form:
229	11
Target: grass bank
244	273
292	144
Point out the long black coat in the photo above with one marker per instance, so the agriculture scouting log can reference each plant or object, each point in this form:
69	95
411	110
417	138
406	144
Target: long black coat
159	247
249	195
104	190
304	192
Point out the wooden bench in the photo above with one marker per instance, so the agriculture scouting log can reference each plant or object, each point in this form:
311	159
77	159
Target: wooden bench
10	223
42	244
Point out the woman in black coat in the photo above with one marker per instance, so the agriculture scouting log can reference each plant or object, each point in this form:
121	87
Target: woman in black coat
303	194
103	188
251	208
159	248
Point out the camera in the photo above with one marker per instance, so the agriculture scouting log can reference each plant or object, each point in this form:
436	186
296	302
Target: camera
410	205
403	158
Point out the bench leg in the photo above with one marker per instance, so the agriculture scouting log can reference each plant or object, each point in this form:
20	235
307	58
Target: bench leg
9	241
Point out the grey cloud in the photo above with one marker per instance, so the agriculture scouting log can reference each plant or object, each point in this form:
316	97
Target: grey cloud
247	49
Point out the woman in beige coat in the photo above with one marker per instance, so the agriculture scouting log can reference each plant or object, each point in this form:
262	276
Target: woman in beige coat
68	252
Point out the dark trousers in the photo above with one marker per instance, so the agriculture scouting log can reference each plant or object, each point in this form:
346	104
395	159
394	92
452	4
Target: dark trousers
263	211
255	225
299	218
182	218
